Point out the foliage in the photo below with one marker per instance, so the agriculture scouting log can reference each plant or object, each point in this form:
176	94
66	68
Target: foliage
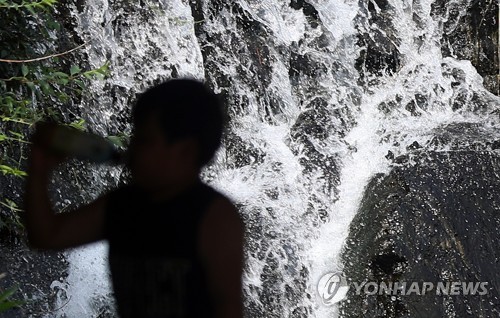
29	5
37	82
6	301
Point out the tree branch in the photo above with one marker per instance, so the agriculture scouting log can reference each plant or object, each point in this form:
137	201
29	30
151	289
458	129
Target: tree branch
43	57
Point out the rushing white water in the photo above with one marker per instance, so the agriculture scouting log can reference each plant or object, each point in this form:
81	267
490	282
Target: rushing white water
283	184
423	68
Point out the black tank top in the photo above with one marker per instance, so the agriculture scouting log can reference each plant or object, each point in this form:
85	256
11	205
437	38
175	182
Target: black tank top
154	260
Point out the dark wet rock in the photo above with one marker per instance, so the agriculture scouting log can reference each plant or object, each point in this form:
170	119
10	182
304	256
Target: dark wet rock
33	273
433	218
249	43
470	32
309	11
390	155
462	136
412	108
314	122
379	54
496	144
240	153
302	64
311	127
414	145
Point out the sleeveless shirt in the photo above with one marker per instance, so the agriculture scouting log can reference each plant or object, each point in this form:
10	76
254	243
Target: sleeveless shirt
154	260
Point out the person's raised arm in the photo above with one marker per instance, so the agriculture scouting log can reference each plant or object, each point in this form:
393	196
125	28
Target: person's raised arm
47	229
222	240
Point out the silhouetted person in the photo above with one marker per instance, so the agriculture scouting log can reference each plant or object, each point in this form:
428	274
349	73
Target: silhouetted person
175	243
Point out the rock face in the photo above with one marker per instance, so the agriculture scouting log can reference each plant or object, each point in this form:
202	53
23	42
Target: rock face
470	32
33	273
434	218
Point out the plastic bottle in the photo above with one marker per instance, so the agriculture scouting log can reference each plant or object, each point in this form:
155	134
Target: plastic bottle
71	142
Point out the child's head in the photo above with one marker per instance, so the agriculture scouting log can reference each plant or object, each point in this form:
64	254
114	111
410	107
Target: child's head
177	130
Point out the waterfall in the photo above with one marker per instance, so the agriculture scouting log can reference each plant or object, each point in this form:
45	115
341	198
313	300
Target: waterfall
313	117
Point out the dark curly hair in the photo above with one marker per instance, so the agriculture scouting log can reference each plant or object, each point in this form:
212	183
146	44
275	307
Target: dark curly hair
184	108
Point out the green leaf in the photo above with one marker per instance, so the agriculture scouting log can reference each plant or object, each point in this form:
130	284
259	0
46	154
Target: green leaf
10	304
60	74
6	294
18	135
30	9
116	140
46	88
54	25
24	70
61	78
63	97
87	75
79	124
13	171
11	204
74	70
80	83
31	85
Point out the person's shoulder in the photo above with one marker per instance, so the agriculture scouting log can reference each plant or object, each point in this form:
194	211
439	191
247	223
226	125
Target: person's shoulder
218	197
222	211
222	233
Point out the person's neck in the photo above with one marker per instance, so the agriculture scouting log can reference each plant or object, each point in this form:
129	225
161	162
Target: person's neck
174	189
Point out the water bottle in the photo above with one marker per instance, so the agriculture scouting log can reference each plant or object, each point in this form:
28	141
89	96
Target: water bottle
71	142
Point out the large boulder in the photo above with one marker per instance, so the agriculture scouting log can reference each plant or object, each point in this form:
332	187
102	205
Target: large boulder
434	218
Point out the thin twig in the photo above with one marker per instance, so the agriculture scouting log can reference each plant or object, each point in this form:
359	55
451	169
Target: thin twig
43	57
10	207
